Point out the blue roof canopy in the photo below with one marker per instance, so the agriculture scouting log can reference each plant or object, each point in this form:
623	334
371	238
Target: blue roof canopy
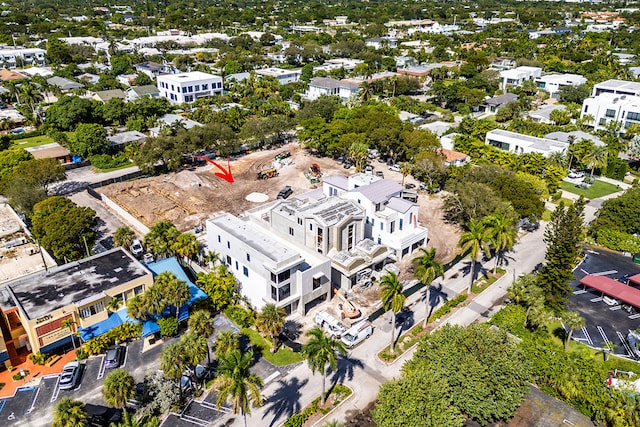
114	320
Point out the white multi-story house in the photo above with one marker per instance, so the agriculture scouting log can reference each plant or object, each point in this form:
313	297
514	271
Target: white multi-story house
283	76
321	86
269	268
610	107
15	57
390	219
187	87
517	76
518	143
551	83
380	42
617	87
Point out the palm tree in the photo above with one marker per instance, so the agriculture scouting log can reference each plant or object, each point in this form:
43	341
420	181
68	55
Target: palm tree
69	413
322	350
236	383
114	304
124	237
526	292
194	349
227	341
70	324
186	246
173	291
210	258
474	240
118	388
129	420
31	96
596	157
573	320
160	237
392	299
405	169
503	233
172	363
571	140
270	321
366	92
426	270
201	323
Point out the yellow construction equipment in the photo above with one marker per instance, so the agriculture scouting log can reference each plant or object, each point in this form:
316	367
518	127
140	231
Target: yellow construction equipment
348	309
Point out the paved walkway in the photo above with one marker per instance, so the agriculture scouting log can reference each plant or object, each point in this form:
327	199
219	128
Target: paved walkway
362	370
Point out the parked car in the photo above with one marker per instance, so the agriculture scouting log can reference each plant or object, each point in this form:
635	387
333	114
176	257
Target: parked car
380	174
136	247
357	333
368	169
330	324
18	131
409	186
529	224
285	192
70	376
347	165
576	174
113	358
340	160
395	168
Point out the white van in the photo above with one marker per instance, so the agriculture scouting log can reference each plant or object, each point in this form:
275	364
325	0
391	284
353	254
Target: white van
357	333
330	324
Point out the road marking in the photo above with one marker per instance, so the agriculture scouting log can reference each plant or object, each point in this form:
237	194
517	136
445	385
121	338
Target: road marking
598	299
102	368
579	292
634	316
126	353
587	336
56	390
605	273
615	307
33	404
625	344
605	339
271	377
584	271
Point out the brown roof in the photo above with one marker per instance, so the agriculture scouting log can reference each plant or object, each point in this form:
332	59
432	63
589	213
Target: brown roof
49	151
6	75
452	156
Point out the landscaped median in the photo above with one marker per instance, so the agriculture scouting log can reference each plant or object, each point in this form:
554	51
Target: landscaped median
413	335
314	412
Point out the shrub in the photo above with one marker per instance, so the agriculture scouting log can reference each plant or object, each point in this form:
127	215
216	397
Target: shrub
296	420
105	161
617	240
168	326
81	354
448	306
38	358
556	196
18	375
125	332
240	316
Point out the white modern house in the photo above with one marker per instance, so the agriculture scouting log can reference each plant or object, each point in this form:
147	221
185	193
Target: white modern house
551	83
611	107
617	87
283	76
518	143
380	42
517	76
15	57
269	268
390	219
319	86
187	87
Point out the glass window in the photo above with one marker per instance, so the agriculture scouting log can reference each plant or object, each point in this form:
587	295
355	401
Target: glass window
205	86
197	88
284	292
236	265
610	113
92	310
400	225
190	88
291	231
228	244
285	275
316	283
274	293
248	258
245	271
137	290
228	260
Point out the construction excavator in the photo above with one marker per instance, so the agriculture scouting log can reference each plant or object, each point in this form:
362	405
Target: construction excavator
347	308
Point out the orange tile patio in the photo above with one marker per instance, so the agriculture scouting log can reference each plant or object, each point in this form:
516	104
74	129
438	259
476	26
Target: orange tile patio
35	373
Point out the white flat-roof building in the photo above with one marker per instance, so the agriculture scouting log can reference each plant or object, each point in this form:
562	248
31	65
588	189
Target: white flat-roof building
517	76
518	143
15	57
283	76
609	107
269	268
552	83
617	87
187	87
327	86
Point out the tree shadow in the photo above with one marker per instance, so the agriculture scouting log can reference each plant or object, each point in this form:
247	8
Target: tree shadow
285	400
344	371
435	295
405	319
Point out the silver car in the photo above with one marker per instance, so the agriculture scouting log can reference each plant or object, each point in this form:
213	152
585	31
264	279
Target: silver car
70	376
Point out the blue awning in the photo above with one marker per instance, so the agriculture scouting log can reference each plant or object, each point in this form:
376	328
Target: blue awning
114	320
149	328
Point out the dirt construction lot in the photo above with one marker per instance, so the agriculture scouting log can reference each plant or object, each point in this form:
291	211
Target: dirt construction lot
187	198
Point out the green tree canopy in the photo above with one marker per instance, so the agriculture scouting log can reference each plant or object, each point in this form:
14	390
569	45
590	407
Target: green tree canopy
69	413
88	140
118	388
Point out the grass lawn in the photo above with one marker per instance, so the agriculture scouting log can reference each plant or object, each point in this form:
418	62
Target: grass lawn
124	166
284	356
34	141
597	189
546	215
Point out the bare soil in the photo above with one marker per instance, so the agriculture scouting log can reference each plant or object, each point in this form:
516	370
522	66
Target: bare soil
189	197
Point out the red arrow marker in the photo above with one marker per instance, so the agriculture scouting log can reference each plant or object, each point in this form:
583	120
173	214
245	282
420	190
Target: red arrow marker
225	174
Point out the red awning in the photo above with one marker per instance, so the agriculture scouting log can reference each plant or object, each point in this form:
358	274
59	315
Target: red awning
635	279
613	288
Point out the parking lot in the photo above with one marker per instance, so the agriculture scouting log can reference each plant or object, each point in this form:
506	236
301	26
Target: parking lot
604	323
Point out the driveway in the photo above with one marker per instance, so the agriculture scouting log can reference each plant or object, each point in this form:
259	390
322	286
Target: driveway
108	222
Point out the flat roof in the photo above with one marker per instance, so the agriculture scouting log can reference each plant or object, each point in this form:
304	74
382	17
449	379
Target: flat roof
331	210
619	85
613	288
257	238
74	282
379	191
191	76
543	144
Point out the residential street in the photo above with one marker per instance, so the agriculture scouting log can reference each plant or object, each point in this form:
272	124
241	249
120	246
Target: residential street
362	370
